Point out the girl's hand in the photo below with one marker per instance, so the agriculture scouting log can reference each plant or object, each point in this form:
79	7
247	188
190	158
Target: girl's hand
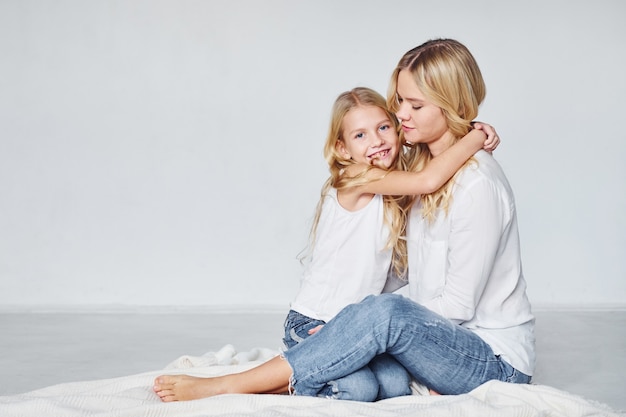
493	140
315	329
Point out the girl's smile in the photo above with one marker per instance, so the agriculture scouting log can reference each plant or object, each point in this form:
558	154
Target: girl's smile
380	155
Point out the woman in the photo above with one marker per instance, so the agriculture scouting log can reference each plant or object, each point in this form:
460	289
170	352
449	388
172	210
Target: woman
468	320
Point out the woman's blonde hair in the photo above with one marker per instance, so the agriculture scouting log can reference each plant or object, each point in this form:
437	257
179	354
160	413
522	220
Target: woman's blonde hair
447	74
394	213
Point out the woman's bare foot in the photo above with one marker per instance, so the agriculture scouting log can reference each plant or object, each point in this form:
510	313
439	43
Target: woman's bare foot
184	387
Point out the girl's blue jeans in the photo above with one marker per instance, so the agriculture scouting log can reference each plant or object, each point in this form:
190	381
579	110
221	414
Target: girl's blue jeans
382	377
437	353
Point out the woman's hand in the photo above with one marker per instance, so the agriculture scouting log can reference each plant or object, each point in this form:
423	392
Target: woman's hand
493	140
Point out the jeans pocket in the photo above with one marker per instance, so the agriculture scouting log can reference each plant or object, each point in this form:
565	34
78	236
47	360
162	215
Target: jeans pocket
297	328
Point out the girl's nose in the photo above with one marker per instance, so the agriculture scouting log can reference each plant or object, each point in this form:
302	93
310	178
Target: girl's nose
377	141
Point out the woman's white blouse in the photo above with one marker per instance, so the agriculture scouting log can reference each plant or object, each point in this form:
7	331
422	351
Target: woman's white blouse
467	267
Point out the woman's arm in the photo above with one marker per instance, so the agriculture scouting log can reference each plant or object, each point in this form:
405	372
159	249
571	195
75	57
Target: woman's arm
439	170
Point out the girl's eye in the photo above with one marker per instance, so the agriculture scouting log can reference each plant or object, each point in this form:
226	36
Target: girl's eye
384	127
359	136
416	107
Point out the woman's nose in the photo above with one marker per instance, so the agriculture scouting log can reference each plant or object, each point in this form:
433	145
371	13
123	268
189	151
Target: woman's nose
402	113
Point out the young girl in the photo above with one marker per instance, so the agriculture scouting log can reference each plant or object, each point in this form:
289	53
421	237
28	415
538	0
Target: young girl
356	237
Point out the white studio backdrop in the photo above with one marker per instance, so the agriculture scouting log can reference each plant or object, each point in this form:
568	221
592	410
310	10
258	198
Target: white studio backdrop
169	153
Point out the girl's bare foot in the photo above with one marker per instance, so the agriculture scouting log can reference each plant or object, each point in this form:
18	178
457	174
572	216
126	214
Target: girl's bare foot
271	377
184	387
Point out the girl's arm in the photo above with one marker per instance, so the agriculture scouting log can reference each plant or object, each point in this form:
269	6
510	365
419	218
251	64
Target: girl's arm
437	172
493	140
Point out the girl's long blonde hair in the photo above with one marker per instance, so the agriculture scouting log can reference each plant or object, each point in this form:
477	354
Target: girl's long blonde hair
447	74
394	213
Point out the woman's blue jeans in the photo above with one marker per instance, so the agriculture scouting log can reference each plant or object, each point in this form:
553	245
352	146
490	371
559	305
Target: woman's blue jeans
439	354
383	377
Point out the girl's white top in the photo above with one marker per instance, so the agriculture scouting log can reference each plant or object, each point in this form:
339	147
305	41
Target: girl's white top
349	260
467	267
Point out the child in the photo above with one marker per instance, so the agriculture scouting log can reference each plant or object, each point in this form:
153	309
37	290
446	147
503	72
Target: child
355	238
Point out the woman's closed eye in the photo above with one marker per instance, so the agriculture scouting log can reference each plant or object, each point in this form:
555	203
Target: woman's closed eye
400	100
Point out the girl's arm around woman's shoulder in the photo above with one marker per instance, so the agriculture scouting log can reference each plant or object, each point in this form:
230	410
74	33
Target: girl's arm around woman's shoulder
438	171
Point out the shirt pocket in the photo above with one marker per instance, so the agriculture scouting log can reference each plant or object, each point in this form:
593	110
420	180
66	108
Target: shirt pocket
431	276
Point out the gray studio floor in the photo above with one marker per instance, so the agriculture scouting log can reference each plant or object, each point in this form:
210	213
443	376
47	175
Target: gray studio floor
580	352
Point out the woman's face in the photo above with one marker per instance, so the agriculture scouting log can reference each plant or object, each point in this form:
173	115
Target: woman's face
422	121
369	137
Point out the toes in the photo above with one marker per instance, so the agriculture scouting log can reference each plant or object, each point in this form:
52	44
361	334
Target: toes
163	379
166	395
163	384
169	399
163	387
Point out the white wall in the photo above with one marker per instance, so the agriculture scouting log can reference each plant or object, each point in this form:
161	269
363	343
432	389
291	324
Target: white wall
169	152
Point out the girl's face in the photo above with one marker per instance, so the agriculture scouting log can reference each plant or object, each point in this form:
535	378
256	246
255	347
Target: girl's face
421	120
369	137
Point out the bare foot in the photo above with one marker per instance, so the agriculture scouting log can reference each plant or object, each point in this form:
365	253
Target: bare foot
184	387
271	377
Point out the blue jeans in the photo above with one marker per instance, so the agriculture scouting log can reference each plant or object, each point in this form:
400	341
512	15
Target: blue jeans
383	377
439	354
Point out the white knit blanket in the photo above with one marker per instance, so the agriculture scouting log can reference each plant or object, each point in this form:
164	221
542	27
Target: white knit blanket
132	396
